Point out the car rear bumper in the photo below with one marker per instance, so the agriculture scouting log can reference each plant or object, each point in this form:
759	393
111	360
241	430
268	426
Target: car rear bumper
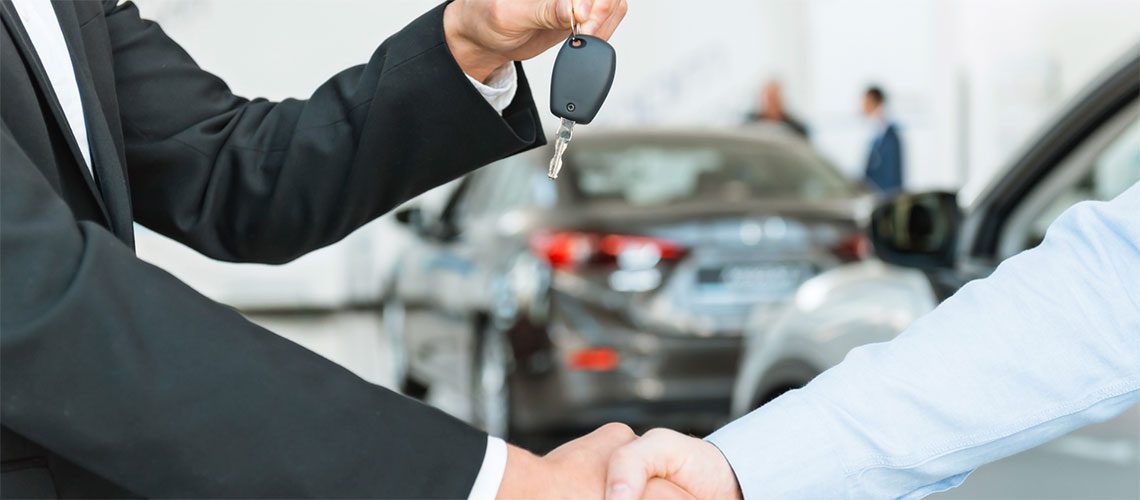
659	380
565	400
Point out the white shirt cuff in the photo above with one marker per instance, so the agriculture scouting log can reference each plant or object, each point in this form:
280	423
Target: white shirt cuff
486	485
500	88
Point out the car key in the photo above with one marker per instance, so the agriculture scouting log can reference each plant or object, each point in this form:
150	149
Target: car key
583	73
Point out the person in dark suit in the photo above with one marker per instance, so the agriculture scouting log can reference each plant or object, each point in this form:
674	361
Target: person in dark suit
885	160
771	110
119	380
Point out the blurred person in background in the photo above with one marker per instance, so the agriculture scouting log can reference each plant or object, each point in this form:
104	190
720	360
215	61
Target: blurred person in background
884	170
770	109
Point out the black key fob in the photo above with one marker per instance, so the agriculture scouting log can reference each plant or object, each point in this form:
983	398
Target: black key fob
583	73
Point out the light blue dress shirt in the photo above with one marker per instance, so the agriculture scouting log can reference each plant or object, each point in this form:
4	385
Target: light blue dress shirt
1048	343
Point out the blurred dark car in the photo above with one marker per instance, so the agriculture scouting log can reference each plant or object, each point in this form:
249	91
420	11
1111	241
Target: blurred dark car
621	290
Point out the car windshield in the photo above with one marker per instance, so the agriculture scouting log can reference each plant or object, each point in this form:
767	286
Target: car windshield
668	170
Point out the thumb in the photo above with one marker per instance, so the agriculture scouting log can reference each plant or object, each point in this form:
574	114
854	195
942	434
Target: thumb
632	466
556	14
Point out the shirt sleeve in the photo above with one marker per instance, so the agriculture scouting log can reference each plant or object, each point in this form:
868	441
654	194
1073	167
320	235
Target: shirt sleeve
486	485
1048	343
500	88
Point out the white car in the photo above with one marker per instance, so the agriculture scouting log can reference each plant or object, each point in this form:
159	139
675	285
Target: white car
929	247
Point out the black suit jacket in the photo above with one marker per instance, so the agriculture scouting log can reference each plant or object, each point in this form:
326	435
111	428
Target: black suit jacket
117	379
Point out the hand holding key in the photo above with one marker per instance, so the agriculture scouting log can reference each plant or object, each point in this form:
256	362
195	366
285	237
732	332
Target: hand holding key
583	74
483	35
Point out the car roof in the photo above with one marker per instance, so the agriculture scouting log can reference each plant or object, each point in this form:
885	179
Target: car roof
1119	77
1113	90
759	133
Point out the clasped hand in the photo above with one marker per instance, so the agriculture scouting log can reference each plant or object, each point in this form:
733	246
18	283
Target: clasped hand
614	463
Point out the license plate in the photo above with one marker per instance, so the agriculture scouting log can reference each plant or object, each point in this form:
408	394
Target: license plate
769	276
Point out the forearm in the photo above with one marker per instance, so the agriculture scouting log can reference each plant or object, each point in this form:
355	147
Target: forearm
263	181
1047	344
132	375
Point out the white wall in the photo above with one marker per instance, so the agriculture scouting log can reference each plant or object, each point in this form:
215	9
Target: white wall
1021	60
969	80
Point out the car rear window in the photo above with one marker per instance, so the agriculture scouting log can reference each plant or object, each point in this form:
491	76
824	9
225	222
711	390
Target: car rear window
661	171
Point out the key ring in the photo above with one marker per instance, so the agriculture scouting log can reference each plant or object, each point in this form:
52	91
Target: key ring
574	28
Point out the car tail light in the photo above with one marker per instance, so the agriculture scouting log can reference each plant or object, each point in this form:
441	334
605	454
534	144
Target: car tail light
563	249
569	249
853	247
594	359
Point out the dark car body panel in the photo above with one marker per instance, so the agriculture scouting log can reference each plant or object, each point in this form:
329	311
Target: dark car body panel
678	338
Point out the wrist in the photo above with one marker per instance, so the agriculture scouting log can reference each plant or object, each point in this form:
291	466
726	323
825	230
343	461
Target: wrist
525	476
473	58
723	472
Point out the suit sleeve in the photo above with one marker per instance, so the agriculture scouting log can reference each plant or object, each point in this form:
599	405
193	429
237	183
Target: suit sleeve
123	370
261	181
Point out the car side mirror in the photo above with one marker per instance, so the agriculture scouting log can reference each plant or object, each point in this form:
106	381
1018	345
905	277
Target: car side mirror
917	230
415	218
412	217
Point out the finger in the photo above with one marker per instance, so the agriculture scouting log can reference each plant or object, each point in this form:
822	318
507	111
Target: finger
631	467
606	30
653	455
660	489
602	441
609	437
582	10
599	12
556	14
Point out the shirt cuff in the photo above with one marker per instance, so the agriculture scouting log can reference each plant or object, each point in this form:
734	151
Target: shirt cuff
782	451
500	88
486	485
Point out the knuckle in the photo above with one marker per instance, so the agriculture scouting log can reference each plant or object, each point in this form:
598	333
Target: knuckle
618	429
495	13
657	432
602	9
546	13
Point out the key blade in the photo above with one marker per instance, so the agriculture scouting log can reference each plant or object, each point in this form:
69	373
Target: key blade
565	134
566	130
556	161
555	167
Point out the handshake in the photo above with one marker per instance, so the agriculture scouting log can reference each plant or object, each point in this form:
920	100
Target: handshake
614	463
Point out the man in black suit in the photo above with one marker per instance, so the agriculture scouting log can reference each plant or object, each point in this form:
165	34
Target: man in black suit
117	379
